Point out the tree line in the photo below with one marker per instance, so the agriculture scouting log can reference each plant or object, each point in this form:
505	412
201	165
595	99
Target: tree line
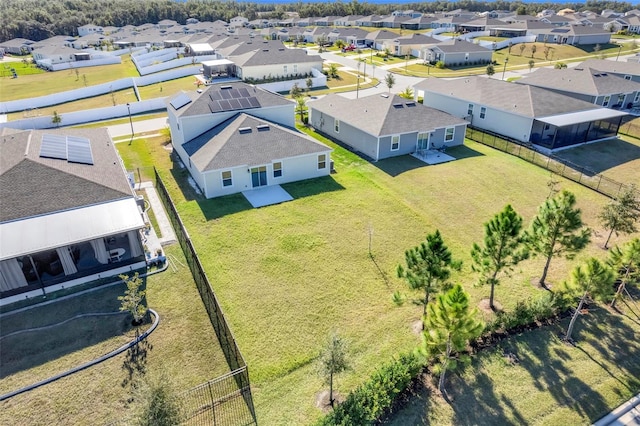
37	20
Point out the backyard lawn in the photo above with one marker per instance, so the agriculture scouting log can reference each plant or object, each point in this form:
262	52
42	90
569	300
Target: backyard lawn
287	275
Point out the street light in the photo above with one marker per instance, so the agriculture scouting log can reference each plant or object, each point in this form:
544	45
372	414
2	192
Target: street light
358	80
619	49
505	67
130	122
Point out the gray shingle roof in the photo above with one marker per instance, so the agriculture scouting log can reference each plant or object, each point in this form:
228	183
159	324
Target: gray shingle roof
521	99
459	46
31	185
586	81
200	101
226	146
277	56
379	115
617	67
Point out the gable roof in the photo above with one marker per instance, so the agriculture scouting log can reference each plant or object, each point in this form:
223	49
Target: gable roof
199	102
240	141
31	185
384	115
520	99
586	81
459	46
615	67
271	56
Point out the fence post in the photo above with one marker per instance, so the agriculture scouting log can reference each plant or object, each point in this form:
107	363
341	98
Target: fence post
213	403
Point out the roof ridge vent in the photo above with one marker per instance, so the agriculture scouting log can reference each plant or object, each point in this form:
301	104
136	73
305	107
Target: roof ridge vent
262	127
244	129
225	87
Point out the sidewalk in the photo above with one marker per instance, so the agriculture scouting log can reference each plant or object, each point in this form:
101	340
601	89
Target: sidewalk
628	414
154	242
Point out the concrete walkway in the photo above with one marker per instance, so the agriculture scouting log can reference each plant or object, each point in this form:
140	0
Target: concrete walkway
166	230
628	414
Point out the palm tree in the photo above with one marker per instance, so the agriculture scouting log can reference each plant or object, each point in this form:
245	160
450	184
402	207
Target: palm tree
301	106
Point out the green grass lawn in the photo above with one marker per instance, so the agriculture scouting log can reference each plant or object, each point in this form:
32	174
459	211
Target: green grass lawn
167	88
552	384
184	346
31	86
286	275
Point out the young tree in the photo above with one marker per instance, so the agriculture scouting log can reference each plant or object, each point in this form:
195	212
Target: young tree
534	49
593	279
406	93
333	360
531	64
501	250
521	47
428	269
560	65
547	50
158	405
557	229
333	70
389	80
510	46
450	327
133	298
626	261
340	43
56	119
620	215
295	91
301	104
490	70
309	83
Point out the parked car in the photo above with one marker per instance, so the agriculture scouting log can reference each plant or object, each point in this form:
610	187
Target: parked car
349	48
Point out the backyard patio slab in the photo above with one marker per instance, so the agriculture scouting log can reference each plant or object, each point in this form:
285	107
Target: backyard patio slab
267	196
433	157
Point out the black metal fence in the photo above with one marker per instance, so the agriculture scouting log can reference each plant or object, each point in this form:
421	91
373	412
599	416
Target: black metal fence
220	405
559	166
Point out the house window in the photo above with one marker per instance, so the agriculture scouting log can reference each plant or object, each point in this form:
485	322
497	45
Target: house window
226	178
620	99
285	68
470	110
449	133
395	143
637	98
605	103
322	161
423	140
337	126
277	170
295	68
483	112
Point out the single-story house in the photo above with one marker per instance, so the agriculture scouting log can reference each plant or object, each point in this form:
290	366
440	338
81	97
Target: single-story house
414	44
587	84
575	35
382	126
18	46
68	214
456	52
89	29
626	70
285	63
419	23
521	112
376	39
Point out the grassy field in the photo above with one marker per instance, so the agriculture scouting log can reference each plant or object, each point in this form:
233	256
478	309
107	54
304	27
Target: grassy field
31	86
288	274
552	383
183	346
167	88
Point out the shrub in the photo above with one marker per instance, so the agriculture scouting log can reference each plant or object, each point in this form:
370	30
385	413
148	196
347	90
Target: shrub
440	65
530	311
376	396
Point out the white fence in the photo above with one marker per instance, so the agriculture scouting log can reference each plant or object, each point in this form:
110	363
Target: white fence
175	63
473	34
504	43
104	60
318	79
87	116
99	89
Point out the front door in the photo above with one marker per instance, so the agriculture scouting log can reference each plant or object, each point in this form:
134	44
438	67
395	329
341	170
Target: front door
259	176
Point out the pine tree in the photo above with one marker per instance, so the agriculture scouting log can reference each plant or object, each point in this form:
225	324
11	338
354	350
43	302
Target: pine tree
593	279
501	248
450	327
557	229
620	215
626	261
428	268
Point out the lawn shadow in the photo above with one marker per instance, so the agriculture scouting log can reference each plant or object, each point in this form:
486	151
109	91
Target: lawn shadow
599	157
59	329
135	363
183	179
311	187
215	208
460	152
413	407
395	166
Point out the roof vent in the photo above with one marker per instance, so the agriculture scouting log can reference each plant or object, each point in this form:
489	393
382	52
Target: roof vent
384	95
398	106
410	104
262	127
225	87
244	129
281	49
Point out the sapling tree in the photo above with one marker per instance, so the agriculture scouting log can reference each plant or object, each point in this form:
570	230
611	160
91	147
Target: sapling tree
56	119
621	215
428	268
593	279
501	248
333	360
390	81
451	324
490	70
556	230
133	299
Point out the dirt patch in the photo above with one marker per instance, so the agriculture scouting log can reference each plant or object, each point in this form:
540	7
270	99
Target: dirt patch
322	400
485	307
416	327
535	281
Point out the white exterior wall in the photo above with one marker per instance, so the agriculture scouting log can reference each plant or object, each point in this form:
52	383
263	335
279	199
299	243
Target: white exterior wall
260	72
293	169
511	125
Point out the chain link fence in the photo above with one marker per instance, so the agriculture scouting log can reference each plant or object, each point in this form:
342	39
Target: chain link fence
559	166
215	402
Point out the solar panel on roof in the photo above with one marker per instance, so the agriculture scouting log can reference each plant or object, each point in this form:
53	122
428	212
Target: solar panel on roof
234	94
214	106
79	150
235	104
224	105
244	103
226	94
215	96
53	146
243	92
179	101
253	102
